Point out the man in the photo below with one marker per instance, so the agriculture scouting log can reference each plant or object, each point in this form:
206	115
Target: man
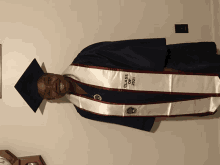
128	82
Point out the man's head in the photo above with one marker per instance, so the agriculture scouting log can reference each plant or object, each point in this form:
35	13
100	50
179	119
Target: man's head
49	86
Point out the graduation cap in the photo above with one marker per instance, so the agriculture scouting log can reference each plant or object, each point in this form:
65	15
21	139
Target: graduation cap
27	85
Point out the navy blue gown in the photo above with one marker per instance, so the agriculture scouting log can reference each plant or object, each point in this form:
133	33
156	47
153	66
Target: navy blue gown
144	54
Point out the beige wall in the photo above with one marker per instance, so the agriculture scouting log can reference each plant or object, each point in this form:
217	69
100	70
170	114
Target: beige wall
54	32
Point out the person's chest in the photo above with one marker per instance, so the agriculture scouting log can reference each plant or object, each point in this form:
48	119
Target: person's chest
74	87
79	90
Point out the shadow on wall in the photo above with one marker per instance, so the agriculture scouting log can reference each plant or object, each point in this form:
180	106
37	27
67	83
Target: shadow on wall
60	100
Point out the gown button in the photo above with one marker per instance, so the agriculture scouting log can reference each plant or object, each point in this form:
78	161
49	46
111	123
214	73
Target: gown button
97	97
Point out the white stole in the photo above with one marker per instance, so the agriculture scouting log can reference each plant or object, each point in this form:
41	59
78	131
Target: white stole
138	80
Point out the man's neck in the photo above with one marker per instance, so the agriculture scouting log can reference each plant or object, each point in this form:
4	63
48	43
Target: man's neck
74	87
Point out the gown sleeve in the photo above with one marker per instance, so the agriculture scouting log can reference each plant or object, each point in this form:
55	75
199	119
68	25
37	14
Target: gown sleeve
142	54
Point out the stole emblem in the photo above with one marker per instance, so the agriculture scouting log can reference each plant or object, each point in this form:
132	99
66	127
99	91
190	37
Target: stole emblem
97	97
131	110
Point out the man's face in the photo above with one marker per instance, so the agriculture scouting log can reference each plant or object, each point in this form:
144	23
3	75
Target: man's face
49	86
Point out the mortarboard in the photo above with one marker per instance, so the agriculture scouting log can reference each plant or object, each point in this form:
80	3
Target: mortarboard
27	85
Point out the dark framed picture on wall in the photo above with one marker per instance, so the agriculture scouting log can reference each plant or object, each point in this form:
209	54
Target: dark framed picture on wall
0	71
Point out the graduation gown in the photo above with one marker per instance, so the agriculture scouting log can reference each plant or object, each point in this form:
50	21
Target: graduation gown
149	55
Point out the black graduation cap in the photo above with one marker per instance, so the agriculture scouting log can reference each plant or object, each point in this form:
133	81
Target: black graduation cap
27	85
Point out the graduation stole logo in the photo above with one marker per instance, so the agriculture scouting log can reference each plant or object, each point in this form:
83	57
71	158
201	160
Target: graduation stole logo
128	81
